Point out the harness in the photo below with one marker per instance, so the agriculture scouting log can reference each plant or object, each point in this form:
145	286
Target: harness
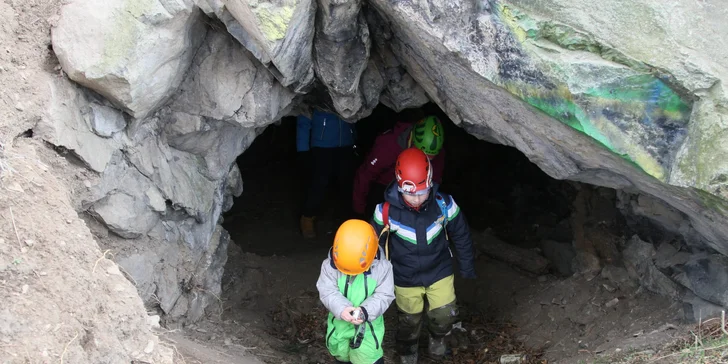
385	220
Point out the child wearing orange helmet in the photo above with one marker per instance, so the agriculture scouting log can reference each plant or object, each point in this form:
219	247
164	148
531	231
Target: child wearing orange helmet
357	287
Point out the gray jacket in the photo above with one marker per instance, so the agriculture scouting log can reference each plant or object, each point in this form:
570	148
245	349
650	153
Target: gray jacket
375	305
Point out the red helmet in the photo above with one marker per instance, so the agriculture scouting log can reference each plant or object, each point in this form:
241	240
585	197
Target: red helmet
414	172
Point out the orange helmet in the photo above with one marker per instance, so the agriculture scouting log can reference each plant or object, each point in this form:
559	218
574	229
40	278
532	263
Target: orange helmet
355	246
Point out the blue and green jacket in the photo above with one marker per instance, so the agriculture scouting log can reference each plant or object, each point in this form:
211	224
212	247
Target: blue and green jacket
418	246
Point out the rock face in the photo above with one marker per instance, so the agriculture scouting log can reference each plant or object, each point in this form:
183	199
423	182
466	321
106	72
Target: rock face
627	94
512	72
135	53
278	33
708	277
168	171
638	258
341	50
225	83
79	123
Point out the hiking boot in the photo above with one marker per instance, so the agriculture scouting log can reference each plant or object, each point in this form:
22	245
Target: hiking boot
408	359
437	348
307	228
459	337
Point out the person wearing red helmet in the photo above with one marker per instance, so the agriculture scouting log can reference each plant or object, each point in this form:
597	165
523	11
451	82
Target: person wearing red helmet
425	133
420	222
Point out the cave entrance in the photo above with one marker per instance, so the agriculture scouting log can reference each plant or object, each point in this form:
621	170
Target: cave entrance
528	229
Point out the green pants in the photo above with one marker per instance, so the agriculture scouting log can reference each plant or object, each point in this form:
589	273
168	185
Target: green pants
341	333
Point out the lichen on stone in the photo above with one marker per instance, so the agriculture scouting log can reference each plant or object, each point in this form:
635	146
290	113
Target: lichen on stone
273	21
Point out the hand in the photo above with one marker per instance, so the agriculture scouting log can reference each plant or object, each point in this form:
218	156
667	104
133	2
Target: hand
468	292
346	315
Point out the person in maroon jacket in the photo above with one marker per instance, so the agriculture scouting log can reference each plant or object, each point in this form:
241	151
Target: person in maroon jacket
426	134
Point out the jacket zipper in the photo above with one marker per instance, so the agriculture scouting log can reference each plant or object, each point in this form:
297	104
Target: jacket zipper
374	335
346	286
322	130
371	327
333	328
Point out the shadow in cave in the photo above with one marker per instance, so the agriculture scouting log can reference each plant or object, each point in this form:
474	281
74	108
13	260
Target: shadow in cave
271	271
496	186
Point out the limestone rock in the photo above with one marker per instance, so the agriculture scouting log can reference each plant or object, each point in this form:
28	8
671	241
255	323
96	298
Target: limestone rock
125	215
63	124
226	83
278	33
619	277
668	256
341	53
179	176
560	255
104	120
638	259
579	107
697	309
155	199
233	187
708	276
401	91
135	53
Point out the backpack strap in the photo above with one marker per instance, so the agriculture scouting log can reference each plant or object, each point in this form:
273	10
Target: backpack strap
385	213
443	208
385	220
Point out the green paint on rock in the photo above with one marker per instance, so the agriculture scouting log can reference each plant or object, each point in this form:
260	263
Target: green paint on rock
637	116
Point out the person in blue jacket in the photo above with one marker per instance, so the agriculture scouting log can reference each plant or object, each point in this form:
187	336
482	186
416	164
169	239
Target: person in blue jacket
327	145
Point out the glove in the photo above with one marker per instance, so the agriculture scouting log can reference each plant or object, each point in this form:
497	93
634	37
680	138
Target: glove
469	293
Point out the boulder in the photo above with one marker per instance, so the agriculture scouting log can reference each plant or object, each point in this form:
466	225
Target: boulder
401	91
135	53
560	255
104	120
618	277
568	85
226	83
278	33
341	53
69	120
696	309
127	216
638	259
708	277
668	256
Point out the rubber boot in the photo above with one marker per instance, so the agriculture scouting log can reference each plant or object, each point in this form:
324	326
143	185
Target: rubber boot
436	347
307	228
408	359
439	324
408	333
459	338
